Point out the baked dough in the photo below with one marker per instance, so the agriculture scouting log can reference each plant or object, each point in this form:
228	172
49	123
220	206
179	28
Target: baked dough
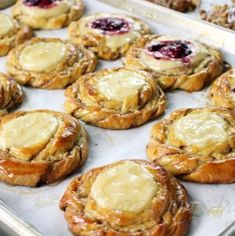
128	198
116	98
196	145
222	92
175	63
40	146
178	5
12	34
48	14
11	94
108	35
222	15
49	63
6	3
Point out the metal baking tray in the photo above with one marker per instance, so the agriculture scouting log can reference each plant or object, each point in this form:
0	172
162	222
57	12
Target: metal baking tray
214	205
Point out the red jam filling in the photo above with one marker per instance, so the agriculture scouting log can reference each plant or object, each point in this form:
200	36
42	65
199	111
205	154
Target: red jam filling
40	3
171	50
111	26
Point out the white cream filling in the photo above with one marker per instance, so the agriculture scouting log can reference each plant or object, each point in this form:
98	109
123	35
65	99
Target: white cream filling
41	55
125	187
201	129
120	85
37	12
159	65
6	24
26	135
113	41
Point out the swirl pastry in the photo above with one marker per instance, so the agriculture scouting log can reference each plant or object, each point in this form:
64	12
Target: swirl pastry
47	14
11	94
12	34
222	92
196	145
108	35
40	147
116	98
126	198
178	5
49	63
6	3
176	63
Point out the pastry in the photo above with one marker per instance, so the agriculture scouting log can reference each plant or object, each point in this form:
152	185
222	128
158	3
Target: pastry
178	5
108	35
47	14
49	63
222	92
174	62
126	198
222	15
11	94
6	3
40	146
117	98
12	34
196	145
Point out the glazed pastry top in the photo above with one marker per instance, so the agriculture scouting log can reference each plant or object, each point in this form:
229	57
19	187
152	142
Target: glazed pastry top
117	29
42	55
167	52
118	188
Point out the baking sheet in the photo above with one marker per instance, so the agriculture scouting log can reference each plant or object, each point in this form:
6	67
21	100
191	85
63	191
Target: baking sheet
214	205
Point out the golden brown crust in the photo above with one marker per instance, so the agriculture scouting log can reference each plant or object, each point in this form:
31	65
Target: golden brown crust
168	215
97	42
67	150
84	101
188	78
77	61
11	94
178	5
222	90
209	166
55	22
16	36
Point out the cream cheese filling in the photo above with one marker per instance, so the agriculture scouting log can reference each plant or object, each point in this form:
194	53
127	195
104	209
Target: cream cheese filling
120	85
201	129
113	41
41	55
159	65
6	24
26	135
125	187
36	12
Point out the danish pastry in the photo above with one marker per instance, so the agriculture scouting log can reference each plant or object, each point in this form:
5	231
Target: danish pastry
178	5
196	145
47	14
11	94
108	35
40	147
222	92
12	34
116	98
174	62
222	15
6	3
49	63
128	198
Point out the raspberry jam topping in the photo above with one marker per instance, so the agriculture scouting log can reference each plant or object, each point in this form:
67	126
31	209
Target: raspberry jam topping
170	50
40	3
111	26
